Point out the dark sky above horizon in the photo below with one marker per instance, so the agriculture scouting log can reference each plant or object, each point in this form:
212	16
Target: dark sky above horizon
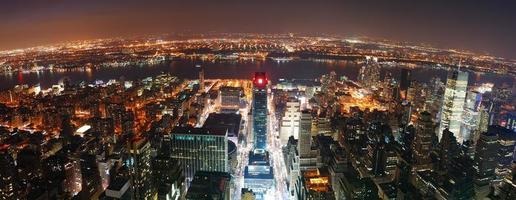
483	26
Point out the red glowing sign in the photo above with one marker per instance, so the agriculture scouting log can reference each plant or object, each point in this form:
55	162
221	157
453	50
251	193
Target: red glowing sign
260	81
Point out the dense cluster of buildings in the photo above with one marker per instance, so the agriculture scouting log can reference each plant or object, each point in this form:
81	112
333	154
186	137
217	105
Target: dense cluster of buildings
429	141
382	137
119	140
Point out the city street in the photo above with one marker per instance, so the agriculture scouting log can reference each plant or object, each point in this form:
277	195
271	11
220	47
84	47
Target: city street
277	161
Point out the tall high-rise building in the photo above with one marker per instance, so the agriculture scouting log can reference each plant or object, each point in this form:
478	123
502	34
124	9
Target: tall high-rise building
305	134
470	117
73	180
91	183
453	103
308	158
259	175
290	121
459	179
201	78
425	131
449	149
485	162
140	168
210	185
200	149
53	170
7	177
369	75
376	157
259	111
167	173
404	83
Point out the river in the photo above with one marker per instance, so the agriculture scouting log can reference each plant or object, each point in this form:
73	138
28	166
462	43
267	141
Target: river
299	69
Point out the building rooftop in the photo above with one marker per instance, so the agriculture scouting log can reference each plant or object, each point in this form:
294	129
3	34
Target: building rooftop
229	121
199	131
317	180
117	184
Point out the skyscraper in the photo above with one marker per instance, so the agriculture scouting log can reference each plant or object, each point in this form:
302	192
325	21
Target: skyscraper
485	162
259	111
376	157
423	140
404	83
200	149
369	74
201	78
305	134
290	121
167	173
140	168
7	174
449	149
210	185
259	175
91	183
470	117
453	103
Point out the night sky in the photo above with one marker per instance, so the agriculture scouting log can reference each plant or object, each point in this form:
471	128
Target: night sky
482	26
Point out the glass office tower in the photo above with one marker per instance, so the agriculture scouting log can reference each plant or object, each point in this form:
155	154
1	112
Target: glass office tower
258	174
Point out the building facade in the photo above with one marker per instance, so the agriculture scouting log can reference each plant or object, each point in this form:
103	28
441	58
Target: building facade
200	149
453	103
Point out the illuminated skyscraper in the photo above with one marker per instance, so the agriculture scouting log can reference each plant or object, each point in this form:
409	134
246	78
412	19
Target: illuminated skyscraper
140	168
305	135
201	77
423	140
91	182
485	162
259	111
290	121
453	103
200	149
259	175
404	83
470	117
369	75
167	173
7	177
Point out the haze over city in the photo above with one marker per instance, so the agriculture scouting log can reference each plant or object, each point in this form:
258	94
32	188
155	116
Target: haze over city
257	100
481	26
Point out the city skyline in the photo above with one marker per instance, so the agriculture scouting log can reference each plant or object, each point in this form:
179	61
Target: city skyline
479	26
